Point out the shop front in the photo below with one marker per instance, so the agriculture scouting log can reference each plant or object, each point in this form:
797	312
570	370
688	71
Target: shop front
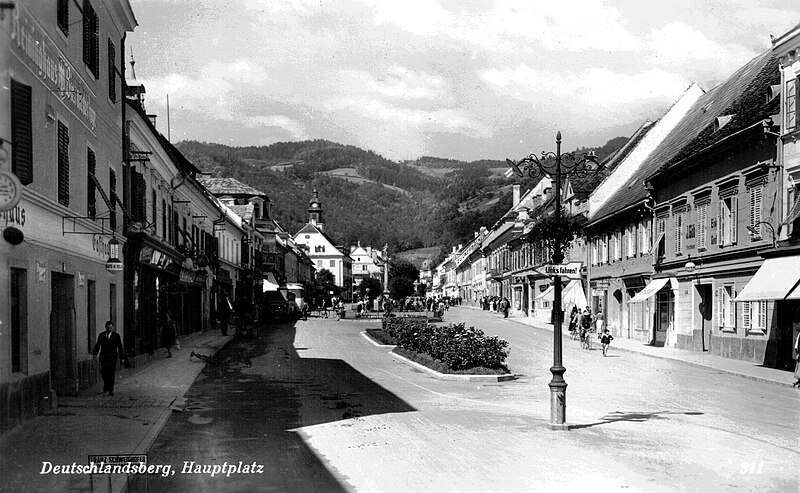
659	294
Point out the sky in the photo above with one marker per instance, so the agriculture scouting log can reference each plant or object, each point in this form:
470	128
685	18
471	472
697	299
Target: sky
459	79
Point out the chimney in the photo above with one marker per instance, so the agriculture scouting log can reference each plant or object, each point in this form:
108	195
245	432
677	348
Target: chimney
454	250
460	246
515	195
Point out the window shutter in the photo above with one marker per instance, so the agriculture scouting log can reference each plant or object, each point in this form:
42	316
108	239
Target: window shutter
702	213
21	132
732	308
678	233
62	15
63	164
91	197
154	198
112	188
112	71
755	209
762	315
747	314
721	232
721	306
734	227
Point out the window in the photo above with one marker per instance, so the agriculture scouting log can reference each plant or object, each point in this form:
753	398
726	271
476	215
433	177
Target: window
644	237
91	198
661	225
726	308
594	251
333	263
91	315
755	213
164	228
112	71
62	16
21	132
319	264
702	225
616	254
678	216
91	38
631	241
63	164
754	316
19	320
791	104
727	221
112	186
154	201
604	246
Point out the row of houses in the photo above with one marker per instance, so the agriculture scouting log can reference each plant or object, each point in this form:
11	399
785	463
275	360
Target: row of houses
692	228
102	217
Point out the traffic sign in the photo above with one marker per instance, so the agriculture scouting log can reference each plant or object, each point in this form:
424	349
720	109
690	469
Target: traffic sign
571	270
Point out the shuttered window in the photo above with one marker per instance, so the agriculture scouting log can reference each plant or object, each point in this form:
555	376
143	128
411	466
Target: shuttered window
154	200
164	228
63	164
702	226
91	196
112	71
791	104
21	132
755	212
112	187
139	197
678	233
727	221
91	39
62	16
754	315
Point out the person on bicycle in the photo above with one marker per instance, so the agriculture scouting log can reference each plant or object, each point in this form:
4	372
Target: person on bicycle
586	326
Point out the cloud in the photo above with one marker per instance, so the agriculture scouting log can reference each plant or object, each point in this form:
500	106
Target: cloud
294	128
679	42
596	93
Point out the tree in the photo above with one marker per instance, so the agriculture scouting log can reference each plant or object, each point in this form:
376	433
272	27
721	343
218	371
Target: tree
401	279
375	288
324	282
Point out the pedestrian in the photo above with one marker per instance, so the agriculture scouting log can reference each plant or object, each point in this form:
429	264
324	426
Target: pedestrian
505	305
574	320
109	347
605	340
586	326
169	337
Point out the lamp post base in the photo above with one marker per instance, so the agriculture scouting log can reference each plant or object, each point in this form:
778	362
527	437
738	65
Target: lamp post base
558	400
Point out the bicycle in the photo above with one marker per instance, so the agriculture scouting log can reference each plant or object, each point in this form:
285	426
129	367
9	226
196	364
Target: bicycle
586	339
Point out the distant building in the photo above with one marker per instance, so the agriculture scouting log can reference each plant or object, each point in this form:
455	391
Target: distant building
322	250
367	262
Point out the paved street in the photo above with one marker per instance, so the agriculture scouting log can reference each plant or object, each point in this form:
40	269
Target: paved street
322	409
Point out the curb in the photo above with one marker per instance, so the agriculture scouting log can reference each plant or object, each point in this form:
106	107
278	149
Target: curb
449	376
688	362
121	484
374	342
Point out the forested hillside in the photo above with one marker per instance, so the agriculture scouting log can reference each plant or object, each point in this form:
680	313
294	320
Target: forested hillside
444	202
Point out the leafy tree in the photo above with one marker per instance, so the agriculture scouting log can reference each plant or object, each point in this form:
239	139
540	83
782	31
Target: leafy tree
375	288
401	287
325	281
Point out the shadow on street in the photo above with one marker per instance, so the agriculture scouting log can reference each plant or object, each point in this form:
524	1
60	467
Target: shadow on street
245	406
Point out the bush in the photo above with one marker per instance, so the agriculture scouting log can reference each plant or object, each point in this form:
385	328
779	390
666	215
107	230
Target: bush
455	345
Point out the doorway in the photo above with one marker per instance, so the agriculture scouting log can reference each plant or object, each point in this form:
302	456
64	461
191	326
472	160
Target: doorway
663	316
62	334
704	308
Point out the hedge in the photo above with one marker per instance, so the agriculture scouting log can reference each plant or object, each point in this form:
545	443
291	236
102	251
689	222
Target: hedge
455	345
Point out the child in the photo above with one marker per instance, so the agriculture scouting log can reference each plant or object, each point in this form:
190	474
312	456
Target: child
605	340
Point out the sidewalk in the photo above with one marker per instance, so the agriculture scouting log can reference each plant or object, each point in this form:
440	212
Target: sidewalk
745	369
93	423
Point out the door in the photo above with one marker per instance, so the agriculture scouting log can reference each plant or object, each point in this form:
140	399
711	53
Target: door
62	334
706	300
663	317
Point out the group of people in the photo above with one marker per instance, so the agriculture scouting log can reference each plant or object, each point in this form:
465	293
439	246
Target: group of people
582	324
496	304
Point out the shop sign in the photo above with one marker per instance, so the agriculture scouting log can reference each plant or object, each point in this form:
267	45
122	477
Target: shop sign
14	216
35	49
187	276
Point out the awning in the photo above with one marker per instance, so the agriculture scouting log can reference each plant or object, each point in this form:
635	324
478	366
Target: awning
651	289
573	295
776	279
269	283
546	295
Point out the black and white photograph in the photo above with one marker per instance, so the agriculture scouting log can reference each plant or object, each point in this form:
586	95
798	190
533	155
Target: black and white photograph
422	246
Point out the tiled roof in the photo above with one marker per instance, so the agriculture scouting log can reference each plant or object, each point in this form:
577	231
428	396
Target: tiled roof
243	211
229	186
720	100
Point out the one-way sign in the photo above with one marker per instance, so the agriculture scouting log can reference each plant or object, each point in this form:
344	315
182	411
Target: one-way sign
571	270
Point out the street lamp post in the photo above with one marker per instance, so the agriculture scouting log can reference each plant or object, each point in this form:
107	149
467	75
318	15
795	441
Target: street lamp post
564	165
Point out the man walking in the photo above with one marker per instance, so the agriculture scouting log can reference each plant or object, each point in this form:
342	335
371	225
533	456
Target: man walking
109	346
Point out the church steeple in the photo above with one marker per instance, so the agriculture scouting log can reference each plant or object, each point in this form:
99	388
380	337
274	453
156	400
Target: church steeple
315	212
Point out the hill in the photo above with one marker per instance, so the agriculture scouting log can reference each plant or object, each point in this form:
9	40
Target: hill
428	202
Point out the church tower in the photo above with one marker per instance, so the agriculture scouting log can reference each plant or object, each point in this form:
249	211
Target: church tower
315	212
